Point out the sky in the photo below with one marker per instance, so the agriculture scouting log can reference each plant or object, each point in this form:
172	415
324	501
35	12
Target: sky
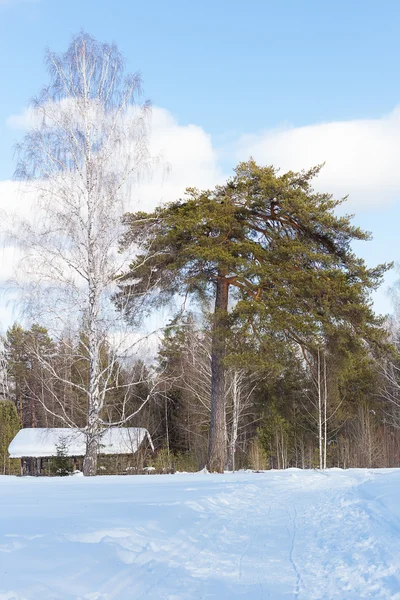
290	83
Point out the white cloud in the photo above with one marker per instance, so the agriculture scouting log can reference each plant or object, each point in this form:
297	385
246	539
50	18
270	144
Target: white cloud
22	120
361	160
361	156
16	198
187	159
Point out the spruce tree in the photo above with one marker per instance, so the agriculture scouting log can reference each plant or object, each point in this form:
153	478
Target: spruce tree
61	463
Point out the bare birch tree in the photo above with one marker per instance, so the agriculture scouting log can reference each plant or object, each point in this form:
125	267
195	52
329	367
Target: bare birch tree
87	145
318	399
193	375
241	385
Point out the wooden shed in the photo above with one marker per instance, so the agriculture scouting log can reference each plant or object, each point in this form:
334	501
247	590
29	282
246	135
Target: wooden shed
34	446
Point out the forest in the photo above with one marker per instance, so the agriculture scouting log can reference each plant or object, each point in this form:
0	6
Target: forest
270	356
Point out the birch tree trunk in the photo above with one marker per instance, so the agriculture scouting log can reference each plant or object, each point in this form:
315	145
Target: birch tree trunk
325	411
235	416
320	418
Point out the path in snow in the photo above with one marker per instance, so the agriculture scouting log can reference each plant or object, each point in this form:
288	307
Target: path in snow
292	534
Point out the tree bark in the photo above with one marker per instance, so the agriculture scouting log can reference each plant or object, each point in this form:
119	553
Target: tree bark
320	440
235	420
90	460
325	412
217	442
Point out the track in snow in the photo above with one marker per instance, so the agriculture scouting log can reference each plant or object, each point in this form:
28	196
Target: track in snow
292	534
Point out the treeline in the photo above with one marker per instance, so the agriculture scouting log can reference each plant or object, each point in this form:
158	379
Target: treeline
332	406
337	408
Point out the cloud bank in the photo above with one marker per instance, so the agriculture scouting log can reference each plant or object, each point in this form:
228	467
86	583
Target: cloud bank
360	158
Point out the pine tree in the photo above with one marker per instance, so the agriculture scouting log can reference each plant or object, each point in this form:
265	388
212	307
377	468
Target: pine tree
22	347
15	351
266	242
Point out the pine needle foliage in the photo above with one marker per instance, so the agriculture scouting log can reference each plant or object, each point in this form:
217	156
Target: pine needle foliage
268	246
9	426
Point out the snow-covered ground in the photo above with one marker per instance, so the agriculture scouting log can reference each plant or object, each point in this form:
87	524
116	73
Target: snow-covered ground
274	535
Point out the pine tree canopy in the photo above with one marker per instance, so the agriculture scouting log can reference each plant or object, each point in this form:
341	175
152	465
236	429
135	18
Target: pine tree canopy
278	244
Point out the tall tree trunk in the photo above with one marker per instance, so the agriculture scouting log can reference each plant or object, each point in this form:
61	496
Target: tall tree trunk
325	412
94	404
320	440
235	419
217	443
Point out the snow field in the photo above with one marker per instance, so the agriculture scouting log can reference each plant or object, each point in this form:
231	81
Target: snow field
276	535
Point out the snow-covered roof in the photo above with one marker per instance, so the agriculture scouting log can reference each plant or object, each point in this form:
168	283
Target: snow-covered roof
43	442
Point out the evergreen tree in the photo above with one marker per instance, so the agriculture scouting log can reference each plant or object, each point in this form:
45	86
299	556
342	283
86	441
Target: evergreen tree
22	346
61	463
15	351
268	241
9	426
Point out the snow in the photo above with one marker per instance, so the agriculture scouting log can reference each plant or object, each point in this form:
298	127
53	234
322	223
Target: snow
276	535
42	442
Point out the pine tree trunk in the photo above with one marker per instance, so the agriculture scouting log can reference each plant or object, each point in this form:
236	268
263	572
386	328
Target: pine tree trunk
217	443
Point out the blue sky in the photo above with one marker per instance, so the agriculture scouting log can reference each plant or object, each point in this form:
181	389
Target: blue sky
290	82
